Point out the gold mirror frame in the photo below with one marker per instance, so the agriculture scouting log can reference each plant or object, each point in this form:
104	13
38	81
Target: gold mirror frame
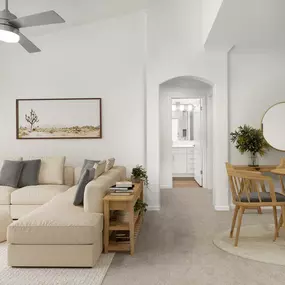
279	103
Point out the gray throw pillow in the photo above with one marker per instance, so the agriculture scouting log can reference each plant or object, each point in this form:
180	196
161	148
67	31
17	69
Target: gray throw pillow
10	173
85	178
30	173
88	164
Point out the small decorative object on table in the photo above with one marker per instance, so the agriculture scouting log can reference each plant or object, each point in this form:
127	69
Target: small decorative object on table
248	139
122	188
139	174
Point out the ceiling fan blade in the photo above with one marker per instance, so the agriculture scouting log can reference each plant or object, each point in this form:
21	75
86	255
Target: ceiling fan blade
40	19
27	44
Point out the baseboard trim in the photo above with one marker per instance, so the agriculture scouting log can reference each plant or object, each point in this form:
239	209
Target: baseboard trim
222	208
153	208
165	186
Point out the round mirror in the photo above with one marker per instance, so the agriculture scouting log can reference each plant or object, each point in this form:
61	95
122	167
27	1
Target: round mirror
273	126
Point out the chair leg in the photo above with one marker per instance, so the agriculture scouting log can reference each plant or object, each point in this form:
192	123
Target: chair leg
280	222
234	221
275	223
283	215
241	211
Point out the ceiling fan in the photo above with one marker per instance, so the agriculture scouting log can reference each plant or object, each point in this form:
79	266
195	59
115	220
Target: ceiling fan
10	25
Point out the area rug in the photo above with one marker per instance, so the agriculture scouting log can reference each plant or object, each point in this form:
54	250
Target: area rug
53	276
256	243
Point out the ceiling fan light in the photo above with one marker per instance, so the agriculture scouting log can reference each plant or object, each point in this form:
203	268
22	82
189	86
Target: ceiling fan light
9	36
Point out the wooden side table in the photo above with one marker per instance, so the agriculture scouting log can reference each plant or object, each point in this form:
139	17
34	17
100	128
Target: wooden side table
123	203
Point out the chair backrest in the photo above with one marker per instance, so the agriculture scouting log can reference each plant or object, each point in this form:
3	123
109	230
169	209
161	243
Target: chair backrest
282	163
243	183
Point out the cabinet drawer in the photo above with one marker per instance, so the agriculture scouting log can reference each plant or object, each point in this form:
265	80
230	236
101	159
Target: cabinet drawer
179	151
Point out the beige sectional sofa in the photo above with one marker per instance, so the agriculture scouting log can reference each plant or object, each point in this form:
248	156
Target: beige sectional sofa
50	230
21	201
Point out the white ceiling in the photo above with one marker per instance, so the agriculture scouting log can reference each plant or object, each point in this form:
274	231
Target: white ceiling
249	24
75	12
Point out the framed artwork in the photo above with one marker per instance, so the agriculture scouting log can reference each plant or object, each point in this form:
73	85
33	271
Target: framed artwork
63	118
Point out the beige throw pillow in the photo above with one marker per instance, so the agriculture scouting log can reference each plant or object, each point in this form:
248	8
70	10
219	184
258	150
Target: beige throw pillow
100	168
52	170
110	163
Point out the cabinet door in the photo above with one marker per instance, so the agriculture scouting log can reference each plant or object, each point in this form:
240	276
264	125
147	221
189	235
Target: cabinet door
179	161
190	161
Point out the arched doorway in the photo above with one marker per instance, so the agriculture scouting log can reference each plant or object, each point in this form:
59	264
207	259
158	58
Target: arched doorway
219	138
185	121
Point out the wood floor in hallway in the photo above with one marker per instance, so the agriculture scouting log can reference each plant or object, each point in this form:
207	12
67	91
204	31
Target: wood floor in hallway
184	182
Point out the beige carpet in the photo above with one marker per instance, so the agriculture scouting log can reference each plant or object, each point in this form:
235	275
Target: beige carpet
53	276
256	243
176	247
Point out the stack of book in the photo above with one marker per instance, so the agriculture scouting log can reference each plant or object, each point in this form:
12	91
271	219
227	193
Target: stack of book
122	188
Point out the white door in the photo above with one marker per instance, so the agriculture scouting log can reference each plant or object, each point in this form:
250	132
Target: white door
198	155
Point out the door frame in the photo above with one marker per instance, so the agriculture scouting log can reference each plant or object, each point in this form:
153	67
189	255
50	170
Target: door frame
207	156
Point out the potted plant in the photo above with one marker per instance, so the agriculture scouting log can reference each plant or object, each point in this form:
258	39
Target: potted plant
139	174
139	207
251	140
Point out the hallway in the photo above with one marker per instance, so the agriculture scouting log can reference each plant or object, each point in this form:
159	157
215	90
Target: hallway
175	247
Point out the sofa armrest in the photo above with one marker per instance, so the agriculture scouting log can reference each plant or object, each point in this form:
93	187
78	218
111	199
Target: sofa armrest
93	196
96	190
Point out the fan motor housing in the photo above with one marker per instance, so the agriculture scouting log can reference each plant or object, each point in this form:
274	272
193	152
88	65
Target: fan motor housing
7	15
9	28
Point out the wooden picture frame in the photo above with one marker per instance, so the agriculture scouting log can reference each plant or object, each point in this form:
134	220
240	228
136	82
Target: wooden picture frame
59	118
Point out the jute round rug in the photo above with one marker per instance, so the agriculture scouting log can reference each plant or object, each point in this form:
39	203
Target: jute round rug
256	243
53	276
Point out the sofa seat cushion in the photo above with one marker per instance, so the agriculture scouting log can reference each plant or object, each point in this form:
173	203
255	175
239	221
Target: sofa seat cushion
5	194
56	222
36	195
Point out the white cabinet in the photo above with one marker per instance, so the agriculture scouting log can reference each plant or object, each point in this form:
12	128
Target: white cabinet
179	164
190	161
183	162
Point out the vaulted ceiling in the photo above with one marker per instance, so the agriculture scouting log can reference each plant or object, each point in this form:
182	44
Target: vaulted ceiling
249	24
75	12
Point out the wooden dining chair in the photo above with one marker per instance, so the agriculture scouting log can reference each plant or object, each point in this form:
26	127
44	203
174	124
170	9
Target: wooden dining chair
249	190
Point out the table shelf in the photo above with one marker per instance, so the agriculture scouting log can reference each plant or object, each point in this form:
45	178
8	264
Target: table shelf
123	203
119	226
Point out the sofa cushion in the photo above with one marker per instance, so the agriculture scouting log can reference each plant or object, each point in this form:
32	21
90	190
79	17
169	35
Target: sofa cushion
9	158
36	195
57	222
110	163
51	171
85	178
10	173
68	175
30	173
5	195
100	168
88	163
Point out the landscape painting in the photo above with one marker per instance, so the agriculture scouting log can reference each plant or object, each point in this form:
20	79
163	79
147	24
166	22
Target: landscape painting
73	118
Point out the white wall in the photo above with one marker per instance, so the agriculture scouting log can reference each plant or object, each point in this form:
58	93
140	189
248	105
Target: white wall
107	60
175	48
103	60
256	83
210	10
